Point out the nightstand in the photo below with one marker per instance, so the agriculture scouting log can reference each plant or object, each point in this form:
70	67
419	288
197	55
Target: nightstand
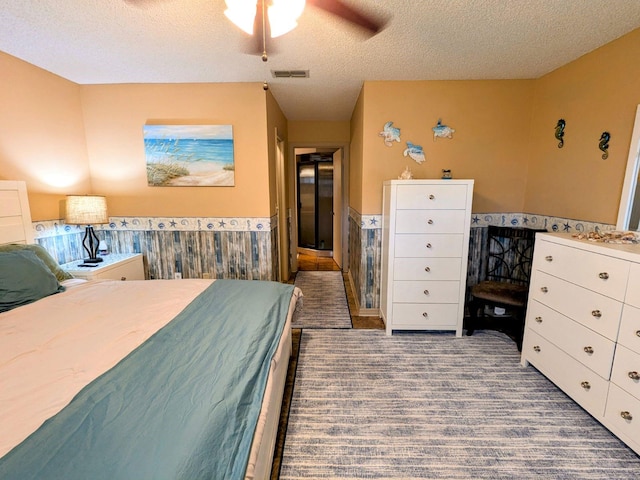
115	266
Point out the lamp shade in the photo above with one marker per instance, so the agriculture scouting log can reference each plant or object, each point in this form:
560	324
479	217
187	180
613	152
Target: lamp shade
86	210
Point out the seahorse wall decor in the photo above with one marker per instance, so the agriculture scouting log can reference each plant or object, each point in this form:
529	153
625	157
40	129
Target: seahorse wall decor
560	132
604	144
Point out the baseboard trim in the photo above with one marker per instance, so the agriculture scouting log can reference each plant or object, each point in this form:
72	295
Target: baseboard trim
355	297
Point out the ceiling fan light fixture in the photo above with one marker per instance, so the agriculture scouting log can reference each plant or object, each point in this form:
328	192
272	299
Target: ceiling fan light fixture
242	14
283	16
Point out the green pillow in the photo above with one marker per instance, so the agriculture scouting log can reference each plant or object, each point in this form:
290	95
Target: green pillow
43	255
24	278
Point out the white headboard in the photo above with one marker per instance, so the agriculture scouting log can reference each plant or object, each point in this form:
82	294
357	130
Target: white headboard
15	216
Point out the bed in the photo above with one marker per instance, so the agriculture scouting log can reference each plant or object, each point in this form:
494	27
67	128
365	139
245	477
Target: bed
137	379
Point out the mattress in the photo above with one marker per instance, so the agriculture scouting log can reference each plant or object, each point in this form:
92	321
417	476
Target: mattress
53	348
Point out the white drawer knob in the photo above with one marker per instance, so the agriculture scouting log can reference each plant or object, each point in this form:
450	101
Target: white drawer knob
539	319
430	222
544	289
634	375
426	292
536	348
549	258
425	314
585	385
604	275
626	415
427	269
596	313
588	350
432	197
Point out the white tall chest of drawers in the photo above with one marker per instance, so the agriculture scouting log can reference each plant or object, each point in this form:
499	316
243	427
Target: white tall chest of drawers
583	327
425	245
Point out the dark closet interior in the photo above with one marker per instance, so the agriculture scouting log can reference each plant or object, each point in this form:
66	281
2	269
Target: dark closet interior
315	200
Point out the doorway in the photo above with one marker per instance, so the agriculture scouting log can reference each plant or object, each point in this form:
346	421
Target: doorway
315	202
339	153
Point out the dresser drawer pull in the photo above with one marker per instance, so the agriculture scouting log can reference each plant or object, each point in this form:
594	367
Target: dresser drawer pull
588	350
604	275
585	385
432	197
539	319
428	245
637	333
634	375
596	313
427	269
430	222
626	415
536	348
549	258
122	279
544	289
426	292
425	314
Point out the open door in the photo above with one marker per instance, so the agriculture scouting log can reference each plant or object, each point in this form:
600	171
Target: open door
284	245
337	208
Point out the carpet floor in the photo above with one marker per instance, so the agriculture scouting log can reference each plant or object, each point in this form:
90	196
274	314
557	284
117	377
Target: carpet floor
324	301
430	405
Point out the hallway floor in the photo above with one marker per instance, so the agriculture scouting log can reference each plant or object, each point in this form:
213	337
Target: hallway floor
312	262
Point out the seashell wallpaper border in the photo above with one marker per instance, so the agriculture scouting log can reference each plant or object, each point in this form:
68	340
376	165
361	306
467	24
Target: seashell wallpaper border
527	220
189	224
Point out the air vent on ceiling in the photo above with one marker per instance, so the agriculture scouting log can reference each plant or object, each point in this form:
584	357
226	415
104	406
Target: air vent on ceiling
290	73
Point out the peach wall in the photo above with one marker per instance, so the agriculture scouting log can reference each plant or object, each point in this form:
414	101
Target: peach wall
114	118
598	92
491	121
276	121
319	132
356	154
42	137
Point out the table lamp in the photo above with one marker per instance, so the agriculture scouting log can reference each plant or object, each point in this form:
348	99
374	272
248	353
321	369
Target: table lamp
87	210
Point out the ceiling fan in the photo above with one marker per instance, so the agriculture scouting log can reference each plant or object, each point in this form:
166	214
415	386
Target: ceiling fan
272	18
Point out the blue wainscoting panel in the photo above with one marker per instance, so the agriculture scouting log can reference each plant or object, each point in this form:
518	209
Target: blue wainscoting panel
222	248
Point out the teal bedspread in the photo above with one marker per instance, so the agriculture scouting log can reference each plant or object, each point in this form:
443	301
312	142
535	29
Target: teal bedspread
183	405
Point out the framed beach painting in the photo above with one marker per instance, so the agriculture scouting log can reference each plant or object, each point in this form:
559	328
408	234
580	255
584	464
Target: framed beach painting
189	155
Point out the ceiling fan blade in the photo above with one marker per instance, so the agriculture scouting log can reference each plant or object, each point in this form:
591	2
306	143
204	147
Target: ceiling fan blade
352	15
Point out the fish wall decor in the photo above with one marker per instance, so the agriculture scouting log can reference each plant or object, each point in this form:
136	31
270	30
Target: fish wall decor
442	131
390	134
415	152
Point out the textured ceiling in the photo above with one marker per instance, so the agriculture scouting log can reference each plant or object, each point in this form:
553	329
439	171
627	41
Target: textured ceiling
168	41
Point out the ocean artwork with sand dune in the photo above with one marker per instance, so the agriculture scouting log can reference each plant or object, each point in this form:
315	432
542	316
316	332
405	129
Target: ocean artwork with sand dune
189	155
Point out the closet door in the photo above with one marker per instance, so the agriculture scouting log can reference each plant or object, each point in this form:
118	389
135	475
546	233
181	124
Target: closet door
307	205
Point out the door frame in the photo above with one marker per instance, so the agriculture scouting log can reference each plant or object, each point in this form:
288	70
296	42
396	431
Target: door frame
293	196
283	234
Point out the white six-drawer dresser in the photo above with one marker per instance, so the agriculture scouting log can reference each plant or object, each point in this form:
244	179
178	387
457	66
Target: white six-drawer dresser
583	327
425	244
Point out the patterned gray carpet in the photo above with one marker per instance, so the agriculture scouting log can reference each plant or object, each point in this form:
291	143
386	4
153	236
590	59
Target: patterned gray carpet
434	406
324	304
